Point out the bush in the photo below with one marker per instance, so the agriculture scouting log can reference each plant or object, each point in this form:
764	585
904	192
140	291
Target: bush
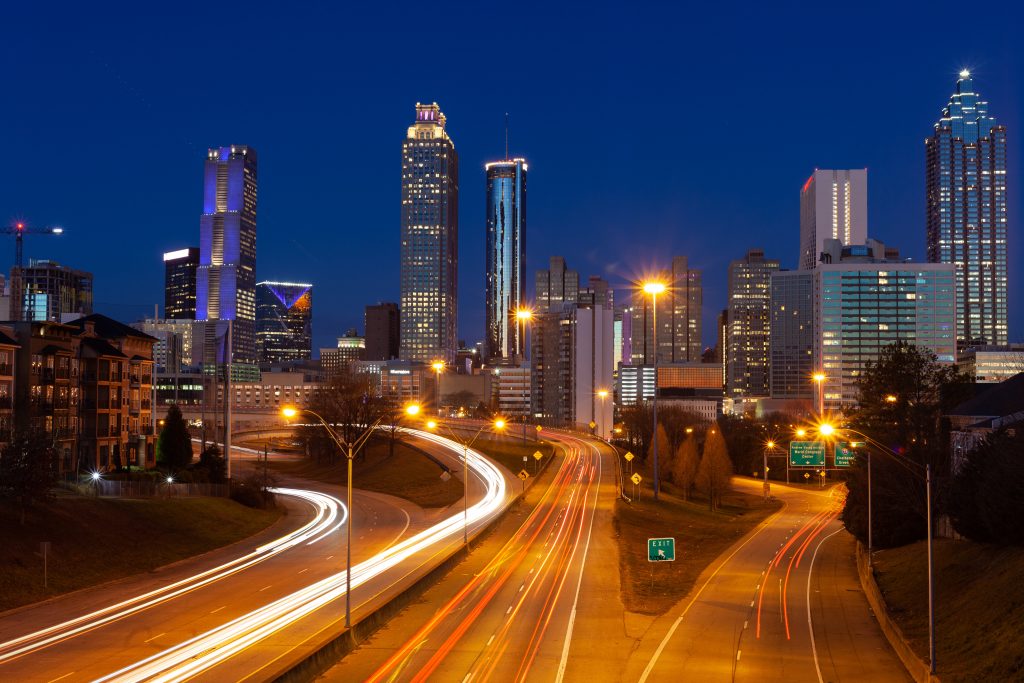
251	492
985	501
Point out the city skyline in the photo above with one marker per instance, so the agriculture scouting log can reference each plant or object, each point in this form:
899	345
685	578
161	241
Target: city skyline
606	223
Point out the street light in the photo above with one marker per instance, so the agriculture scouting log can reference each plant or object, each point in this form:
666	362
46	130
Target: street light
498	424
523	318
438	366
819	378
349	448
654	288
891	398
768	446
603	395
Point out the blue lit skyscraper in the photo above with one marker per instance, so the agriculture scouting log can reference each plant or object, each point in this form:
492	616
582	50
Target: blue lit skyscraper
966	212
284	321
430	239
226	277
506	258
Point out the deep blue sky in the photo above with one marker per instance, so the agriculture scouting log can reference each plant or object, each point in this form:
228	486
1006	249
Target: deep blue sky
650	131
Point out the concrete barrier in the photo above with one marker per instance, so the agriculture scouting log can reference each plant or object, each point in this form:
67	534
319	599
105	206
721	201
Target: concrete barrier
916	667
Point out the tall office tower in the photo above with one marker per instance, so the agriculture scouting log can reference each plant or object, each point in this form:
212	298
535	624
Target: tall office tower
833	205
792	334
749	323
382	331
505	289
721	355
47	290
180	283
430	239
284	321
226	276
679	322
556	285
966	212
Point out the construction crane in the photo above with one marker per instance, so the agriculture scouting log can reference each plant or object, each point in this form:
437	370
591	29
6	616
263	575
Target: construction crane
19	230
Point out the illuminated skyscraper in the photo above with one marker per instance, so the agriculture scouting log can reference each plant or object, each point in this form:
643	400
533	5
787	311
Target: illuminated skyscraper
749	317
430	239
180	283
679	318
506	258
833	205
226	277
556	286
966	212
284	321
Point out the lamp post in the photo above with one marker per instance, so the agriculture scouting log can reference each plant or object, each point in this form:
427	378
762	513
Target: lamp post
438	366
819	379
523	318
350	448
654	289
770	445
603	395
498	424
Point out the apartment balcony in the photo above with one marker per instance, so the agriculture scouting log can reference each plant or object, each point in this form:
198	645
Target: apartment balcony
115	431
134	408
147	379
47	375
6	370
133	380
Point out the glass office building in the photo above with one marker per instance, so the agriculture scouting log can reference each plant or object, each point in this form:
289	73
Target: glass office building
284	321
747	329
966	212
180	283
792	334
430	239
505	289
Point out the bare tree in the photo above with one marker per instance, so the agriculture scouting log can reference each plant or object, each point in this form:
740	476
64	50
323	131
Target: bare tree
715	469
685	465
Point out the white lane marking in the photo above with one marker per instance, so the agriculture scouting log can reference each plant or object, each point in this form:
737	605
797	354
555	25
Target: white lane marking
745	625
468	677
264	588
810	623
304	570
155	637
490	640
218	609
738	655
330	557
52	680
509	609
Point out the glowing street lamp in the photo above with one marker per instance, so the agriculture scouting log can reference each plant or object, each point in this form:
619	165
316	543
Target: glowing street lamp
819	379
438	367
891	398
654	288
603	395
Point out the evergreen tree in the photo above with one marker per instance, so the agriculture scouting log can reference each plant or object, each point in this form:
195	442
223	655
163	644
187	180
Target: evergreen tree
28	468
174	447
685	465
715	470
215	466
985	502
664	454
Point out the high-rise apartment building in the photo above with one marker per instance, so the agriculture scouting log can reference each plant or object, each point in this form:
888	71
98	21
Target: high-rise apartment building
505	287
966	212
833	205
679	318
180	283
430	239
335	361
556	285
382	331
749	317
792	334
226	276
46	290
284	321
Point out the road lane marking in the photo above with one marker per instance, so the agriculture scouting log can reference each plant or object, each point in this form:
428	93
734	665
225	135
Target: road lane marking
738	655
145	641
265	588
218	609
52	680
330	557
490	640
304	570
745	625
810	623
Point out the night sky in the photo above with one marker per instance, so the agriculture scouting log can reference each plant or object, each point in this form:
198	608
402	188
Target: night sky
649	131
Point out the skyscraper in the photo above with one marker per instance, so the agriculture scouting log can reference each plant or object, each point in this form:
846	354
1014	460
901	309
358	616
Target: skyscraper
180	283
749	320
792	334
46	290
679	318
430	239
284	321
382	331
226	276
556	285
833	205
505	289
966	212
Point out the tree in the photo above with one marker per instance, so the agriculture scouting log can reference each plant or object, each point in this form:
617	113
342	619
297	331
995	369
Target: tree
985	501
685	465
664	455
174	446
899	504
715	470
636	425
349	403
465	400
213	464
28	468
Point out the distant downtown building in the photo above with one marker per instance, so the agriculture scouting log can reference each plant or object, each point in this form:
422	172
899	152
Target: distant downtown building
46	290
833	205
336	361
430	239
180	283
749	321
284	321
557	285
505	287
679	318
966	212
383	333
792	335
226	276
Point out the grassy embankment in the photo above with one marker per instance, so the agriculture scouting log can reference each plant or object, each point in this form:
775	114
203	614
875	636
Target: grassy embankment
98	540
979	606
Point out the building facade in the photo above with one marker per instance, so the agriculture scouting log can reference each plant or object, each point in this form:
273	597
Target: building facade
505	286
226	275
351	347
46	290
749	322
556	285
792	335
173	350
966	216
679	318
284	321
430	239
383	331
989	364
180	268
833	205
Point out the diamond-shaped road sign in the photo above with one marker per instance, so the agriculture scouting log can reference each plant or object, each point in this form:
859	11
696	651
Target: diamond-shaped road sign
524	475
538	455
628	456
636	478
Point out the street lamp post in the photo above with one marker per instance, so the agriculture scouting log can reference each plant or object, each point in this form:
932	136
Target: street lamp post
350	448
819	379
523	318
654	289
438	366
767	447
603	395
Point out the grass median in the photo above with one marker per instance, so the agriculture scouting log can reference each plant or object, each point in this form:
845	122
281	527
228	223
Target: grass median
701	536
95	540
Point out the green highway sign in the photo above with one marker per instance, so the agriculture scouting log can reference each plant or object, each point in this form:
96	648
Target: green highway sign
847	451
807	454
661	549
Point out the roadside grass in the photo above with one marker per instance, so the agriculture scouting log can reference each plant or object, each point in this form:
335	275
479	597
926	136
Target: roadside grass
701	536
511	449
95	540
979	606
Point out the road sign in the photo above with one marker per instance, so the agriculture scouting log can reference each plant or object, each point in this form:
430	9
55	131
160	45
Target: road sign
592	424
636	478
846	452
661	549
807	475
807	454
628	456
539	428
524	475
538	455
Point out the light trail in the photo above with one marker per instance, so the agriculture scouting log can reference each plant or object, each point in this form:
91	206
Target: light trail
330	515
206	650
